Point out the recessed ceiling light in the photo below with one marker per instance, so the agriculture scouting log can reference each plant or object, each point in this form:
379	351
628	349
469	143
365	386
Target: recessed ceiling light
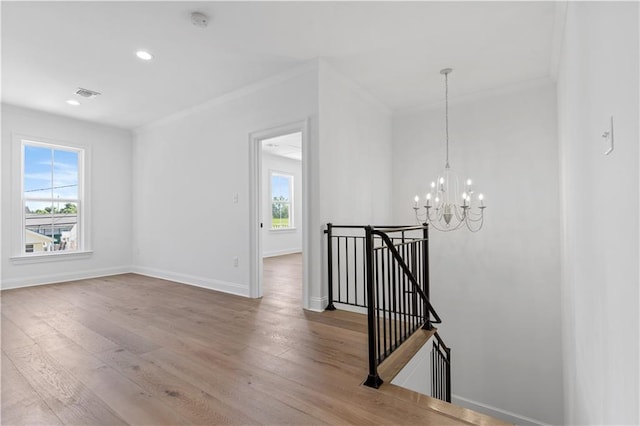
144	55
73	102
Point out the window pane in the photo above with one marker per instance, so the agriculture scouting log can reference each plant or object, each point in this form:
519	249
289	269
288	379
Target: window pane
50	226
65	174
280	217
281	196
65	227
37	171
280	186
38	230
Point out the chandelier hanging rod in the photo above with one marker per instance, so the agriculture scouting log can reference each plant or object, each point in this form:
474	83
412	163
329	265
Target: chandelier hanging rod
446	72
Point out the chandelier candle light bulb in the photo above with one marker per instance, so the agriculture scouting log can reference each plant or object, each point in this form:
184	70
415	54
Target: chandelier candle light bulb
452	209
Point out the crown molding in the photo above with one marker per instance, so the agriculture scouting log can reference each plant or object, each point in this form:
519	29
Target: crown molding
557	40
531	84
296	71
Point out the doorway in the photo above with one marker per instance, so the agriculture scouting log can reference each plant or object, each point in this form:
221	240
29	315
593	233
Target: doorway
278	213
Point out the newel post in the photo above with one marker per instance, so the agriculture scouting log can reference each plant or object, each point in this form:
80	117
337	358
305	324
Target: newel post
373	379
425	273
329	232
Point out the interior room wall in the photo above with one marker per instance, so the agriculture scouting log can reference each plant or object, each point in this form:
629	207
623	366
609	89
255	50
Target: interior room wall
355	135
180	161
598	78
354	162
284	241
111	211
498	290
187	170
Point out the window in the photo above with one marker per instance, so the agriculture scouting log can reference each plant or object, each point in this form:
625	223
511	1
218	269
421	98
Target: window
281	201
51	198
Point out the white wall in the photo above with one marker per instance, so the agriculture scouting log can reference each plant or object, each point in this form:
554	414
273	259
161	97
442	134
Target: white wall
355	135
187	169
416	374
497	291
283	241
199	158
354	162
110	176
598	77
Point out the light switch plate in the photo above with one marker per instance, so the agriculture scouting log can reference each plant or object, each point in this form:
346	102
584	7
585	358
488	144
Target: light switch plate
608	138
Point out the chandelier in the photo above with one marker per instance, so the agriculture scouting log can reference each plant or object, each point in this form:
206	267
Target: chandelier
448	205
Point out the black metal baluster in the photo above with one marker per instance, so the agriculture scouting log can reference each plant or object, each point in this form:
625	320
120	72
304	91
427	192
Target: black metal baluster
384	301
448	394
346	255
364	271
395	287
377	284
339	270
355	271
404	292
433	371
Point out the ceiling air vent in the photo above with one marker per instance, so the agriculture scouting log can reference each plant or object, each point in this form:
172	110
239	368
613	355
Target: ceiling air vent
86	93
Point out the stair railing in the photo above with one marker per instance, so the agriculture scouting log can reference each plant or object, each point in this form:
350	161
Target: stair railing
397	304
385	270
440	370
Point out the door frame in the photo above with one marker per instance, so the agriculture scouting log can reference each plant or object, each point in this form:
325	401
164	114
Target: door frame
256	208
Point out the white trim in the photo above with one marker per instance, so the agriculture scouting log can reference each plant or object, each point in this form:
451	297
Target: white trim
531	84
61	278
281	252
318	304
255	216
350	308
17	223
282	230
498	413
557	39
54	256
255	205
208	283
356	88
230	96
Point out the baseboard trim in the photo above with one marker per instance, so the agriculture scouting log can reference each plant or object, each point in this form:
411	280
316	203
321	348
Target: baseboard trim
61	278
210	284
350	308
318	304
496	412
281	252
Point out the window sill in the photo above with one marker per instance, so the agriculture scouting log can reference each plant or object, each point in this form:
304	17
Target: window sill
285	230
51	257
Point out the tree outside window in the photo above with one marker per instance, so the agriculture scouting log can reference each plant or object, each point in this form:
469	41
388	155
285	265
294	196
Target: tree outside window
281	201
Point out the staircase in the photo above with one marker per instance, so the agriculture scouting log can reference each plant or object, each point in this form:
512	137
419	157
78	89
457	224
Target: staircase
383	272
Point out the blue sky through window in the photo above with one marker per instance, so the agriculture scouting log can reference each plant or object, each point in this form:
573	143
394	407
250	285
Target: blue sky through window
50	173
280	187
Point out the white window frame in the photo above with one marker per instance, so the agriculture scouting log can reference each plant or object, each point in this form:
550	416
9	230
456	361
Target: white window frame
18	200
290	176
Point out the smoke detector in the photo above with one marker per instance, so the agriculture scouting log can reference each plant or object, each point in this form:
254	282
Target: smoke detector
86	93
199	19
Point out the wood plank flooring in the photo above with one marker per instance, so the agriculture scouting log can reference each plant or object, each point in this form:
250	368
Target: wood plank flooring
130	349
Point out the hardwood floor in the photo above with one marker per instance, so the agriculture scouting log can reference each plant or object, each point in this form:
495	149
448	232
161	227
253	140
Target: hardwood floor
130	349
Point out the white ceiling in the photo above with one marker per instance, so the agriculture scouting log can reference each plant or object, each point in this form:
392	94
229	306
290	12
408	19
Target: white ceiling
288	146
394	50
